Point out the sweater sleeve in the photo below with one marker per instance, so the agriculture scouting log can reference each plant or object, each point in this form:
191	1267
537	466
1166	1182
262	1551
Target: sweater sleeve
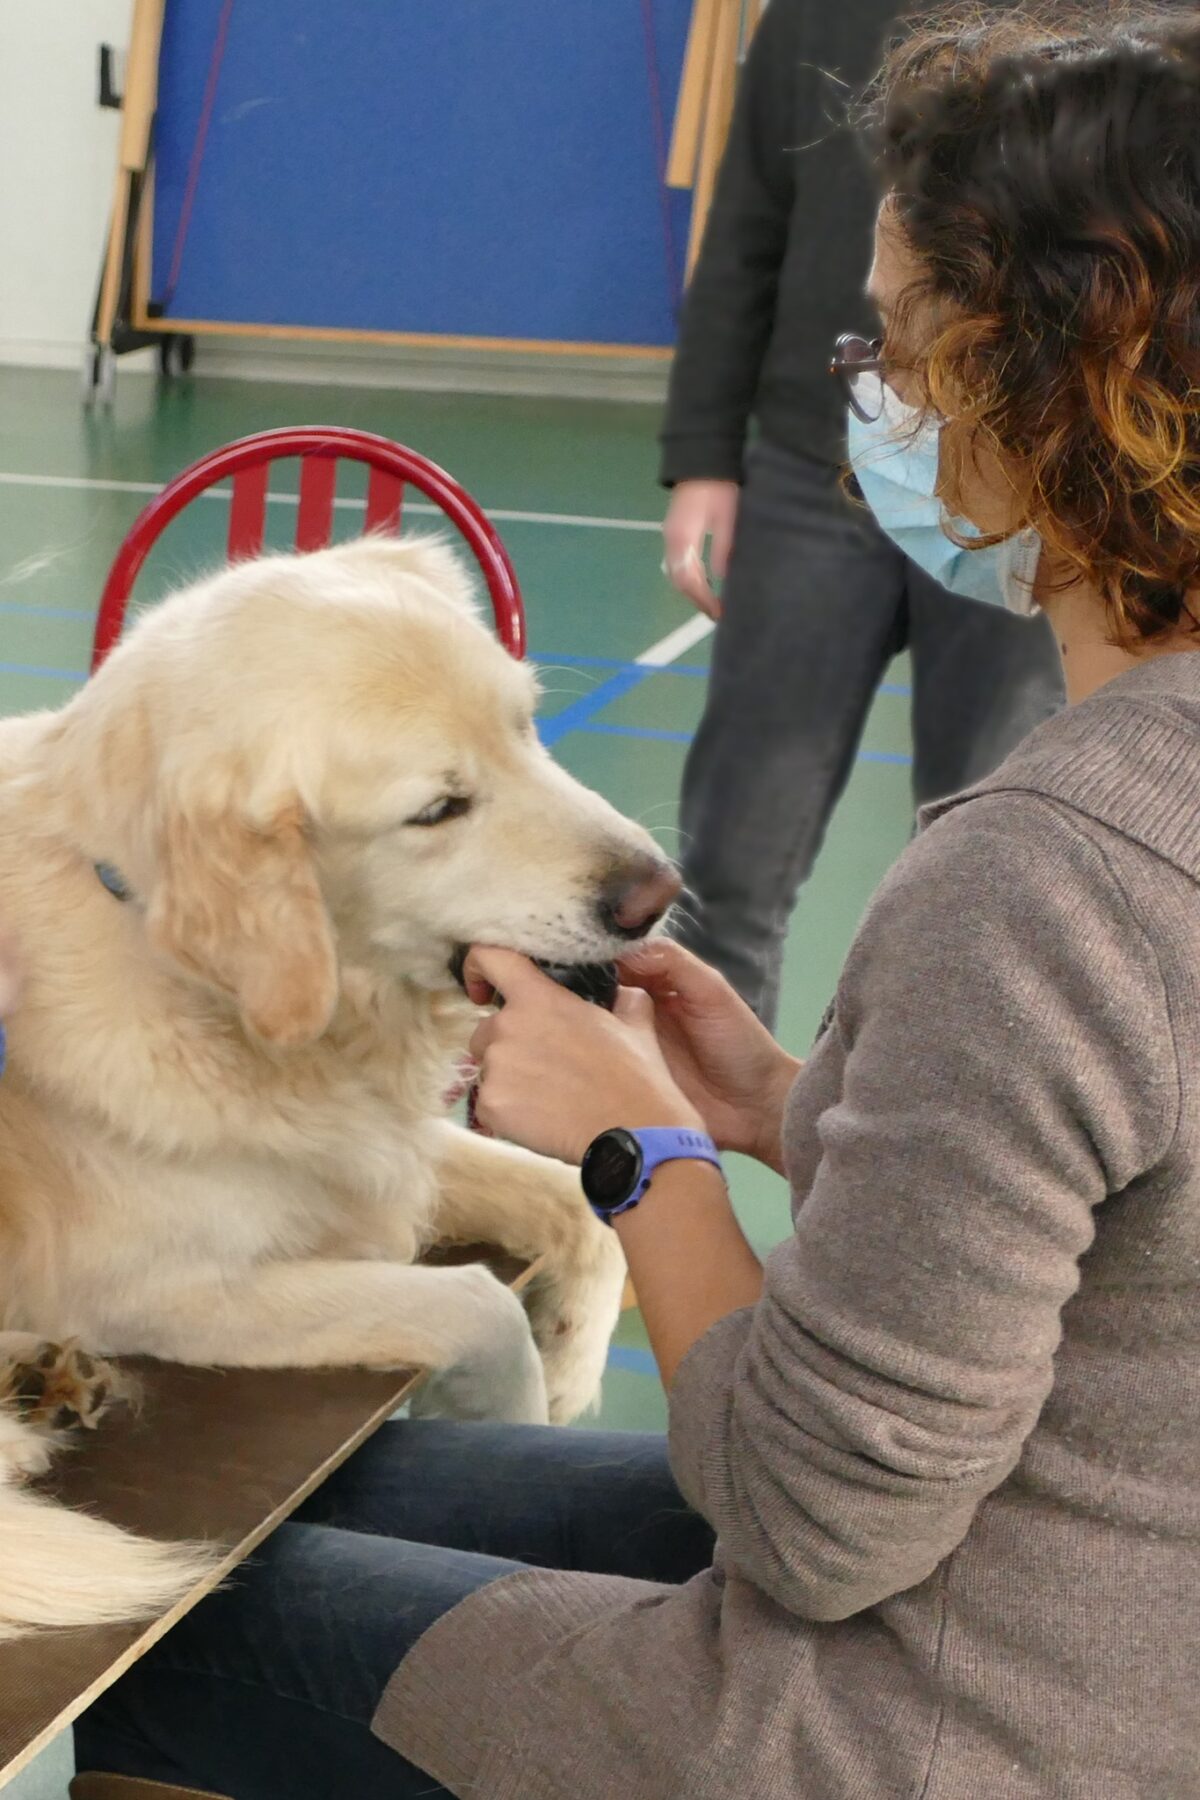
1008	1064
730	306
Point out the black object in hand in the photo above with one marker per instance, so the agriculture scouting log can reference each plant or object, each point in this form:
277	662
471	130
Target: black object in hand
597	982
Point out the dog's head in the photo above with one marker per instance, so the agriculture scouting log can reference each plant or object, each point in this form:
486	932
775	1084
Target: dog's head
309	762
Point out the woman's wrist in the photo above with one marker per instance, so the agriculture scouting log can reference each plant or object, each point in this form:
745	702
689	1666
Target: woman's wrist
642	1114
688	1258
768	1143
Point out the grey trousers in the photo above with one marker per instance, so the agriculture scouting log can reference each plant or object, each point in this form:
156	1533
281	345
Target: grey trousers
816	603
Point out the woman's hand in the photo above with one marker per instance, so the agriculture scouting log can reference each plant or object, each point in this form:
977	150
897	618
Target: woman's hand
700	510
720	1056
556	1071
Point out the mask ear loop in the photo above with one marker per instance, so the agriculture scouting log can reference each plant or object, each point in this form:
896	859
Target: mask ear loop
1019	558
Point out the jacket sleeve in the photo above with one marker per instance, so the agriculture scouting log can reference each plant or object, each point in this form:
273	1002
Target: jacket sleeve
1008	1064
730	305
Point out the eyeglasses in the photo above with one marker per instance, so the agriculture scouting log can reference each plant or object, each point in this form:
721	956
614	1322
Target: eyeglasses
858	370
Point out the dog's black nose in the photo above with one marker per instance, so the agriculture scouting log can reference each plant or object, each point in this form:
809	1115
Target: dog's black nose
636	896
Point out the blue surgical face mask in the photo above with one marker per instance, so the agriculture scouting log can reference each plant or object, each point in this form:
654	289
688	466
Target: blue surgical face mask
895	462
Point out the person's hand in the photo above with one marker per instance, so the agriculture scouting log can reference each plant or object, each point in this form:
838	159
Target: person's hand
721	1057
700	510
556	1071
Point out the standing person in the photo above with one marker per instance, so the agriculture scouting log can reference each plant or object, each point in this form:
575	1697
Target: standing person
816	601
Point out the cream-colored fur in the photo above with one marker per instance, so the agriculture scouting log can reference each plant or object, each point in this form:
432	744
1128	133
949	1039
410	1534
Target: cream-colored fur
222	1136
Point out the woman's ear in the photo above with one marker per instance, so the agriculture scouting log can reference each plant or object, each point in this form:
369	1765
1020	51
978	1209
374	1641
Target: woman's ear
240	907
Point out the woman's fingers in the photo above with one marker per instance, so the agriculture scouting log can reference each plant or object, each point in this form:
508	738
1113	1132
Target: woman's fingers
635	1008
492	974
686	572
666	971
481	1037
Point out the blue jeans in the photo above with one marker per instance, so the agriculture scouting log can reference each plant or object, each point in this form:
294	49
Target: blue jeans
267	1689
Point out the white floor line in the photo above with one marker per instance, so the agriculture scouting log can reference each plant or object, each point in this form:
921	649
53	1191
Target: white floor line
503	515
677	643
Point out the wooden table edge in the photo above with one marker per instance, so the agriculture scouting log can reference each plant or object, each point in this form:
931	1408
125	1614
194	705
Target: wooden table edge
156	1629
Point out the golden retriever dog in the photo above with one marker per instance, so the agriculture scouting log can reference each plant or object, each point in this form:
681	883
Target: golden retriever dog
238	865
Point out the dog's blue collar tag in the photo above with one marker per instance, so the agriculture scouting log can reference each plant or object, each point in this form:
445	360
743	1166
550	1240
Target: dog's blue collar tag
113	880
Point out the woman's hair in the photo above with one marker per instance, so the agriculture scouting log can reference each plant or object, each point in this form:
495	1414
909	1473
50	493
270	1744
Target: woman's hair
1045	167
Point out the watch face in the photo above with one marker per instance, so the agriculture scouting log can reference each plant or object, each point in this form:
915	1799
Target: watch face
611	1168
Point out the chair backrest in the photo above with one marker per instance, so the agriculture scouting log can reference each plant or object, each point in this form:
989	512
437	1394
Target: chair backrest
248	462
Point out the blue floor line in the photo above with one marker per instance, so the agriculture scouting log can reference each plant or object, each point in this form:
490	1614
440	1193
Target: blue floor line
578	716
46	612
636	1362
602	728
575	716
15	668
695	671
619	665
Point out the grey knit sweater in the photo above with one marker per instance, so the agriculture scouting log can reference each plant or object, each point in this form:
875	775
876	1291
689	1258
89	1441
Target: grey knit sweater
953	1457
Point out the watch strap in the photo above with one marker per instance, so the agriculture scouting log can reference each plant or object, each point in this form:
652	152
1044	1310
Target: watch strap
661	1144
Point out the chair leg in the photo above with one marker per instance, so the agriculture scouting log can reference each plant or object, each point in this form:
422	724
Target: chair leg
128	1787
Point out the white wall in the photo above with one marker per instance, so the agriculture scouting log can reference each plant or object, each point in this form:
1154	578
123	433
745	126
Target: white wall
58	152
58	156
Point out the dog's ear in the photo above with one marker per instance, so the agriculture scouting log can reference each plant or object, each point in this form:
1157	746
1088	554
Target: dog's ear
241	908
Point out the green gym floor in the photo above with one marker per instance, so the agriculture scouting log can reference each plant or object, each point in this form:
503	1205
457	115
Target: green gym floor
572	488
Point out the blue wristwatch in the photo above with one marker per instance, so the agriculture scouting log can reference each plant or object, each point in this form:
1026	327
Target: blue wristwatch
619	1165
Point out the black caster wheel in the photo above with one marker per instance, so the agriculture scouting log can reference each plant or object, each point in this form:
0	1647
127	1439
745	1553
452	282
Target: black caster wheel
176	353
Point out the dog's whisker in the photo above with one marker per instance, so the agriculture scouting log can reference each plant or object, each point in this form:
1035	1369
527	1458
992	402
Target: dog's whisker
586	681
31	566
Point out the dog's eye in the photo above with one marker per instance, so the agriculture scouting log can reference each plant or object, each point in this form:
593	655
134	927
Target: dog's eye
450	806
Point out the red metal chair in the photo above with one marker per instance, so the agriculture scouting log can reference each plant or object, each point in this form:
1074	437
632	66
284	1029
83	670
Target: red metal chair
320	449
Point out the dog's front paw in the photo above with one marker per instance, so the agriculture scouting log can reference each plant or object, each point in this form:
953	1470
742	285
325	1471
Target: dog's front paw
493	1370
55	1386
574	1316
513	1397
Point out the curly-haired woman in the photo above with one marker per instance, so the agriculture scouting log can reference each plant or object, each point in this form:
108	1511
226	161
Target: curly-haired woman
948	1439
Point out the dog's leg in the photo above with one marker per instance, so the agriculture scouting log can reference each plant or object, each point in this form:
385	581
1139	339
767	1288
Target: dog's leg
461	1324
495	1193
